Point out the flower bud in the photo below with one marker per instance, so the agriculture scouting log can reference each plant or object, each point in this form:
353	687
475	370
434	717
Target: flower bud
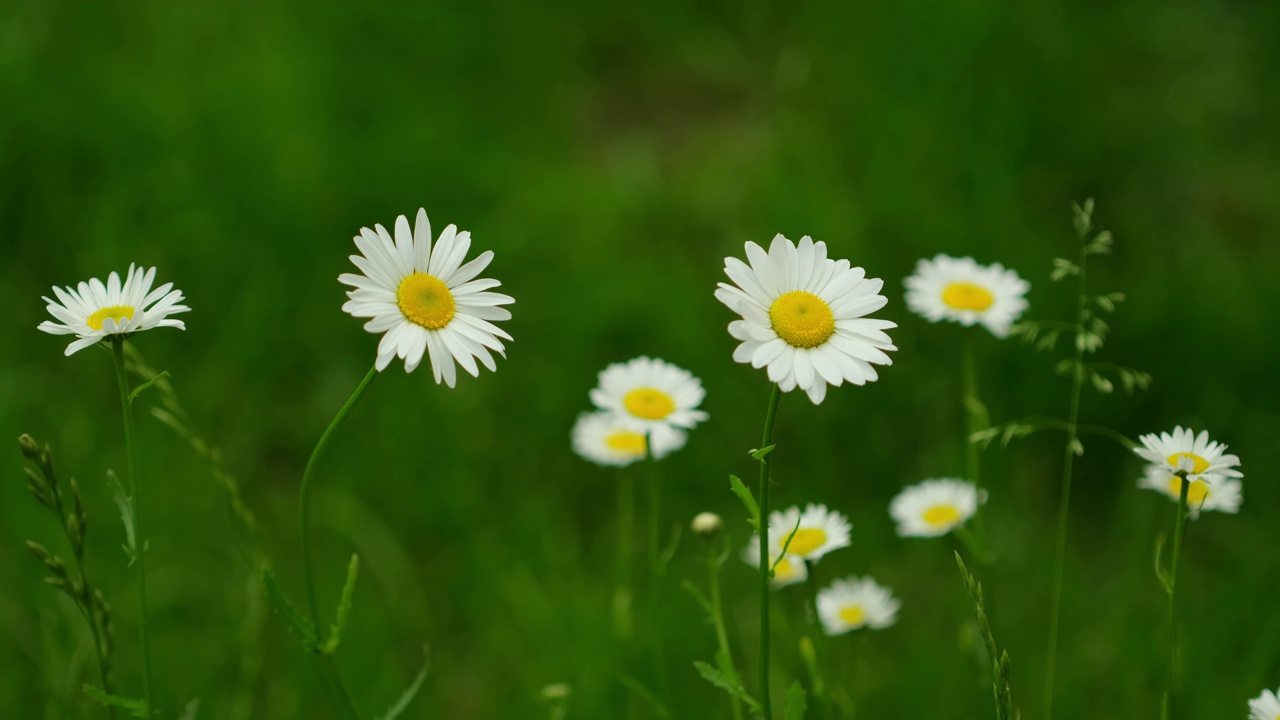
707	524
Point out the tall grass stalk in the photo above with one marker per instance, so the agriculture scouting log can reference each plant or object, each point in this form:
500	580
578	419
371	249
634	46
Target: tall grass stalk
765	565
1180	521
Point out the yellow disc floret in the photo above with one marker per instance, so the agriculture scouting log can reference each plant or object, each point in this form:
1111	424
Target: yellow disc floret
1199	464
425	301
802	319
806	540
940	515
967	296
630	443
649	403
115	312
853	615
1196	491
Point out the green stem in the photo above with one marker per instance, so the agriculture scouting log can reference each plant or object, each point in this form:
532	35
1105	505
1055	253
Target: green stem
622	593
1166	707
656	570
304	507
819	643
717	619
135	482
769	418
974	422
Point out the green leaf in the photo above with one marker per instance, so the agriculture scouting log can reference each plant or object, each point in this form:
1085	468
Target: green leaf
698	595
783	555
753	508
330	644
1160	573
133	706
796	704
125	503
299	623
143	386
762	453
727	682
412	691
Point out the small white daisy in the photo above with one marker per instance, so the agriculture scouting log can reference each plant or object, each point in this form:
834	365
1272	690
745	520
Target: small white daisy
935	507
854	603
661	398
1191	453
1223	495
93	311
817	531
1265	707
425	300
787	571
804	316
961	290
607	438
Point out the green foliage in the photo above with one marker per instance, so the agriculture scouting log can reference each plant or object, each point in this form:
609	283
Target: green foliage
134	706
1000	689
411	692
330	644
304	628
796	702
724	676
748	500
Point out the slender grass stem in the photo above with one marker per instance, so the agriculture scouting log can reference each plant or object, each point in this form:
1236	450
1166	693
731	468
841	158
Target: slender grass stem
767	440
622	592
971	403
656	571
714	564
135	499
1166	707
819	646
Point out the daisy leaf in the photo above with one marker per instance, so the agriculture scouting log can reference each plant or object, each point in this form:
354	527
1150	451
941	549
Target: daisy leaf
304	627
727	681
135	707
749	500
796	702
146	384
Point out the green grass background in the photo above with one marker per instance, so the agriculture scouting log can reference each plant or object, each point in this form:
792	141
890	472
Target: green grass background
611	156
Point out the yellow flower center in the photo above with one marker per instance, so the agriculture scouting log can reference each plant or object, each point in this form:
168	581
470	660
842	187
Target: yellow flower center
853	615
1199	463
784	570
806	540
1196	492
649	403
115	312
425	301
967	296
625	441
802	319
942	515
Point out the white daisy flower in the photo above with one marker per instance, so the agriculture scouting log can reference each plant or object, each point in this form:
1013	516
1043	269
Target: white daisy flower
93	311
1194	454
1265	707
817	531
788	571
804	316
607	438
935	507
1223	495
854	603
425	300
961	290
659	397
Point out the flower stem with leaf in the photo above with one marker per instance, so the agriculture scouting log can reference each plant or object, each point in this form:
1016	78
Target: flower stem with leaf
766	569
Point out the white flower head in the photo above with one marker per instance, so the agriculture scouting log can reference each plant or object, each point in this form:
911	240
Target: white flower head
804	316
424	300
961	290
660	398
607	438
1265	707
935	507
1184	451
787	571
707	524
92	311
854	603
812	533
1222	496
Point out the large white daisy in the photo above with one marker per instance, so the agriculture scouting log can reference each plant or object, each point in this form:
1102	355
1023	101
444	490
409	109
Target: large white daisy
661	398
92	311
1223	495
607	438
804	316
935	507
787	571
961	290
425	300
854	603
1265	707
812	533
1193	454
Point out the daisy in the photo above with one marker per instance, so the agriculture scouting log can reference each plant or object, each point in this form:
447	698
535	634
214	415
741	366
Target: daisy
961	290
425	300
1193	454
935	507
607	438
1224	495
854	603
787	571
1265	707
804	316
813	533
659	397
93	311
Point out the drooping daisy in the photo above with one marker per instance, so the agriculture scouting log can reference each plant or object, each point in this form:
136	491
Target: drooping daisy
935	507
854	603
424	300
659	397
93	311
1193	454
787	571
1265	707
607	438
961	290
1223	495
817	531
804	316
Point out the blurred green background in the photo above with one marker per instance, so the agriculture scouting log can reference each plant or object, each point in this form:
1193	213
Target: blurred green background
611	156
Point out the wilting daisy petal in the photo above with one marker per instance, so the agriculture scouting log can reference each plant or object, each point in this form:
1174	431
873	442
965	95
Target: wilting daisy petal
854	603
1193	454
1223	495
425	300
661	398
935	507
787	571
817	531
1265	707
607	438
961	290
92	311
804	316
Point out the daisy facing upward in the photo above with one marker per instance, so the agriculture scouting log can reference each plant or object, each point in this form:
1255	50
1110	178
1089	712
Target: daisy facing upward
960	290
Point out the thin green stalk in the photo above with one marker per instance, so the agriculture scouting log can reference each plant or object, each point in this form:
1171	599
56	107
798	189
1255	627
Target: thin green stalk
135	499
714	564
971	403
1166	707
622	592
819	649
656	570
769	418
